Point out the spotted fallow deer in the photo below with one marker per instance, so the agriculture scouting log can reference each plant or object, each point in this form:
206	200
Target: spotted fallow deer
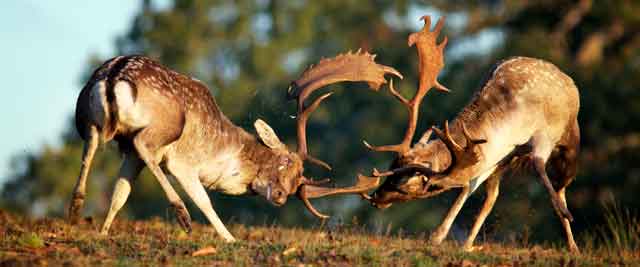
171	124
525	113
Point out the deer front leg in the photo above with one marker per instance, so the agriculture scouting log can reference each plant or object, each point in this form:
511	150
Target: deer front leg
184	219
193	187
492	187
438	236
129	170
79	192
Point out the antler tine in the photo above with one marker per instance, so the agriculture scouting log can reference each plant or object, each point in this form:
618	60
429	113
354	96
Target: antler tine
447	139
431	62
470	140
444	42
309	189
427	22
305	200
303	116
397	94
439	26
459	152
363	184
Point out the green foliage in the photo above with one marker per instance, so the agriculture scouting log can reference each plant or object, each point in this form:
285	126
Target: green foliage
249	51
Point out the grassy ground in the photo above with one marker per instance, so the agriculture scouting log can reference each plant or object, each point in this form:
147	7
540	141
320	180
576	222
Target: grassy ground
53	242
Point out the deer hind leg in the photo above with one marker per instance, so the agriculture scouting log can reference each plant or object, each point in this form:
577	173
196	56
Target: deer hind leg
147	145
193	187
438	236
542	149
566	224
561	210
129	171
567	155
564	164
492	187
79	192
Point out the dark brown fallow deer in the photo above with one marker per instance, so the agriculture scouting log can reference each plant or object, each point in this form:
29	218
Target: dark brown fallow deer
525	113
171	124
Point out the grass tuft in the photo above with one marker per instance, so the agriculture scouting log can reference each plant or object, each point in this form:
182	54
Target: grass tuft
622	229
30	240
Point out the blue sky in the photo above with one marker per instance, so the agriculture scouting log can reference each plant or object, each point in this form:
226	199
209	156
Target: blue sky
44	48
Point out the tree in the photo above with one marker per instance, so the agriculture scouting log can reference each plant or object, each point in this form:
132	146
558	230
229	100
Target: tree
249	51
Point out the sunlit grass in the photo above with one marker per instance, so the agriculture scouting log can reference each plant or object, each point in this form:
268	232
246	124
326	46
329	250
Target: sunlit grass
156	242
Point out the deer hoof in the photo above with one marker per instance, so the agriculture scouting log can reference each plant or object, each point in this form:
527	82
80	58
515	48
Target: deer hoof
563	212
229	239
74	209
183	217
436	239
472	248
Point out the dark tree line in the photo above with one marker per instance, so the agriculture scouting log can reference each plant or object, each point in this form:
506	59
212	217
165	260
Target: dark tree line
249	51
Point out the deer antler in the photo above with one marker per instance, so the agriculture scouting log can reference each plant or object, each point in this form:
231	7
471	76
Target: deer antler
458	152
307	191
303	116
358	66
431	58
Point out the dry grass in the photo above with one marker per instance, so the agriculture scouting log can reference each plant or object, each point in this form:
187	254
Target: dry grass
53	242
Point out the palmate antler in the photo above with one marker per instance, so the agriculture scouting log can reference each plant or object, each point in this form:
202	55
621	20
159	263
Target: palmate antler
354	67
431	58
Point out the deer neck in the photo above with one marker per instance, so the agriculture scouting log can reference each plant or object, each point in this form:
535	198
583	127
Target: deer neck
255	156
235	157
481	124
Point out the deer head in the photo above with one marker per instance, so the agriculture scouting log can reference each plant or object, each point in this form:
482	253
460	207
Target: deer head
355	67
414	174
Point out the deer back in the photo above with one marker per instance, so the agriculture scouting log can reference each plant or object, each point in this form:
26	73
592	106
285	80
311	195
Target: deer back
128	93
522	97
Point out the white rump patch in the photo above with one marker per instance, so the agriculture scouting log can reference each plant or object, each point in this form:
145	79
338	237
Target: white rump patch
129	114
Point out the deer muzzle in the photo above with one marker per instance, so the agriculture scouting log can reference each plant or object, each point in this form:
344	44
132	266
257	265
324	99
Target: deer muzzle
400	189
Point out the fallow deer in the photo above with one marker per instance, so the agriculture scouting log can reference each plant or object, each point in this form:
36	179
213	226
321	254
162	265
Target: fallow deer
171	124
524	112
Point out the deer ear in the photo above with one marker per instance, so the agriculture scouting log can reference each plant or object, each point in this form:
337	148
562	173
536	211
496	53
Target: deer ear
267	135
